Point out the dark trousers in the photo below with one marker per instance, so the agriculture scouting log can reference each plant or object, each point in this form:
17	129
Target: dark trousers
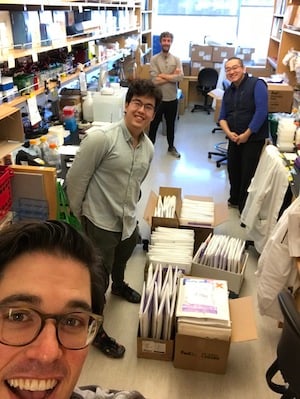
168	109
242	161
114	252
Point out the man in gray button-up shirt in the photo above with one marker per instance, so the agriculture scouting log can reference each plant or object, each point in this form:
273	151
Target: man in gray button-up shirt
103	187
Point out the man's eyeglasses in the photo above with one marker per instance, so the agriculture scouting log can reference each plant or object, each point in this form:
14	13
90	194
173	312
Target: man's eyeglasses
139	104
21	326
233	68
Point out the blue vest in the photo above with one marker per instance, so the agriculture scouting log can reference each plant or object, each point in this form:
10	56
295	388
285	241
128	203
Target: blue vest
240	107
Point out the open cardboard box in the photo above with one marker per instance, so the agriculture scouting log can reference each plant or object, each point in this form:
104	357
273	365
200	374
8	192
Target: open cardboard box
211	355
234	280
155	221
203	231
156	349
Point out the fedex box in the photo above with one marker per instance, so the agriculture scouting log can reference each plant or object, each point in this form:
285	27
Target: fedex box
211	355
280	97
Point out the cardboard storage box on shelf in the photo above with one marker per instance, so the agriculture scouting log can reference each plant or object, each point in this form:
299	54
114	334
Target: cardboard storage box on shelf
221	52
234	280
196	66
280	97
201	53
211	355
203	231
155	221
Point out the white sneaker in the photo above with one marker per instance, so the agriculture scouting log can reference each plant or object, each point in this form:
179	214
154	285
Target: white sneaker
174	152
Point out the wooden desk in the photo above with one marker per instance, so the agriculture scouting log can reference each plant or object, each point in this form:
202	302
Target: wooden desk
189	91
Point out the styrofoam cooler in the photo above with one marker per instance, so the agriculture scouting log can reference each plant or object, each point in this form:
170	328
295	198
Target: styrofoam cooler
109	107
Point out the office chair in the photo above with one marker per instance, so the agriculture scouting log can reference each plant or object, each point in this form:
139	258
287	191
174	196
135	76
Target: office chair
221	147
207	81
288	350
221	151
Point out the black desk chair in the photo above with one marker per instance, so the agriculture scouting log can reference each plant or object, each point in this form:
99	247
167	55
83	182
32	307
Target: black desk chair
288	350
207	81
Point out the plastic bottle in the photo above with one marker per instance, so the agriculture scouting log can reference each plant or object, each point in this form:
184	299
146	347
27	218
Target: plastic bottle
44	147
54	159
69	118
82	82
87	108
34	149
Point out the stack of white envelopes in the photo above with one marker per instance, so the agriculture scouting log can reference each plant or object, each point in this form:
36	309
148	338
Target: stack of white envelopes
222	252
203	308
165	206
197	212
157	308
171	246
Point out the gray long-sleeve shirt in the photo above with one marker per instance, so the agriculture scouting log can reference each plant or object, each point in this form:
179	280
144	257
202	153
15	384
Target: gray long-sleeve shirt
96	392
104	181
161	63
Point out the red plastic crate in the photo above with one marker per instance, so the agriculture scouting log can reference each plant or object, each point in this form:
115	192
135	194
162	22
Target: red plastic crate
6	174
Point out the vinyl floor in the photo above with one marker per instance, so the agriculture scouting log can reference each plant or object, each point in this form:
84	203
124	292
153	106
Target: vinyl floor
248	361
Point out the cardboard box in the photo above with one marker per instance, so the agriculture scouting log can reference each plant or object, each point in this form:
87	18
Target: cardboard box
156	349
186	66
245	53
218	66
201	53
245	50
155	221
234	280
280	97
196	66
211	355
221	52
217	95
203	231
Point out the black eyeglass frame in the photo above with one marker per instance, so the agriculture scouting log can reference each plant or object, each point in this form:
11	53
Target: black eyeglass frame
57	317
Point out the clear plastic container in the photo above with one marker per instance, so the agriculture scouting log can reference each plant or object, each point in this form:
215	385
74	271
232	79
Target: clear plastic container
54	158
34	149
87	108
44	147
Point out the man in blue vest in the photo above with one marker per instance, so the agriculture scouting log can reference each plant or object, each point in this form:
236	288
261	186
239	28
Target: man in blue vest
244	119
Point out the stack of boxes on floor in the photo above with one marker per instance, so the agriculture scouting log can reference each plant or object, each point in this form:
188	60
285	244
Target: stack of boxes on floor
190	351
